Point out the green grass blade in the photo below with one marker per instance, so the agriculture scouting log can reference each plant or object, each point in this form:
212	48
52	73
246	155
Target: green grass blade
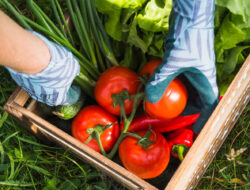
3	118
32	180
39	170
10	136
2	153
16	183
12	167
78	165
32	142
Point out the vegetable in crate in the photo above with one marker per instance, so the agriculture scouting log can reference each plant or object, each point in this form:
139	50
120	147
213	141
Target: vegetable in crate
140	23
146	155
69	112
174	100
171	104
143	122
113	81
95	127
180	141
149	67
66	112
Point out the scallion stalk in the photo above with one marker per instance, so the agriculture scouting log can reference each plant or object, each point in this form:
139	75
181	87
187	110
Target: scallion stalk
49	22
38	16
77	27
53	5
85	32
64	22
8	6
105	43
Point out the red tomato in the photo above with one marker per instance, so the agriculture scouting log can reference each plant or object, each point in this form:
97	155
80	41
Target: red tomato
150	67
91	116
171	104
113	81
147	163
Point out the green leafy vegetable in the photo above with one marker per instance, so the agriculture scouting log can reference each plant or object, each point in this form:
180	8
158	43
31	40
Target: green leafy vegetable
154	17
227	37
118	12
232	38
139	23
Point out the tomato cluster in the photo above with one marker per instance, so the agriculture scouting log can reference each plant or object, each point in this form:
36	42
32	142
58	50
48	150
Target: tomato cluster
98	126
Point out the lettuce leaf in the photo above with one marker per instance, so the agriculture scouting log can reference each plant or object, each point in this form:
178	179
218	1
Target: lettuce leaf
232	38
118	12
227	37
139	23
154	17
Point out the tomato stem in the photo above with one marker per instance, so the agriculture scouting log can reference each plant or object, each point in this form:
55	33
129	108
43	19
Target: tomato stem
100	143
95	133
180	150
144	142
132	135
127	121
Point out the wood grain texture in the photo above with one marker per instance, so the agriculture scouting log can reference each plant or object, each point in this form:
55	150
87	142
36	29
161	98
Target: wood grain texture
214	132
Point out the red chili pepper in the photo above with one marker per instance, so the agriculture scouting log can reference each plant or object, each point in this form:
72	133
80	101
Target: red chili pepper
160	125
180	141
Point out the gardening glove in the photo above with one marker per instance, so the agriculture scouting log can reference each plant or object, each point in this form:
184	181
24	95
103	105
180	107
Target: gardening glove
52	86
189	51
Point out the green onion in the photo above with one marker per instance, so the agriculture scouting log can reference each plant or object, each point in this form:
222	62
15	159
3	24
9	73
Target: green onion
36	10
77	26
84	32
64	22
53	5
8	6
104	42
39	17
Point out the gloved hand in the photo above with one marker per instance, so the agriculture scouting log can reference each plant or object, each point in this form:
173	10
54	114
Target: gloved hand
52	86
189	51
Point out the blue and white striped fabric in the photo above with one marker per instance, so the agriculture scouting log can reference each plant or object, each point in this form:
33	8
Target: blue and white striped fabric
189	50
190	41
51	86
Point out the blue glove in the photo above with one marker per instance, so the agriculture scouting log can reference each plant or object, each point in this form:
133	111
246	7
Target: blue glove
52	86
189	51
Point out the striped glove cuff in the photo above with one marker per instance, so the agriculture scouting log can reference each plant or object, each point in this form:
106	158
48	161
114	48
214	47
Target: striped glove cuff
51	85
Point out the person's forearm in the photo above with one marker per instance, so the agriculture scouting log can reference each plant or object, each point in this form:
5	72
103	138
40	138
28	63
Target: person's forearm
20	50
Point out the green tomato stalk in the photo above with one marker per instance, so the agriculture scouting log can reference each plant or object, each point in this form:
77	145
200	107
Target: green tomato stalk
119	100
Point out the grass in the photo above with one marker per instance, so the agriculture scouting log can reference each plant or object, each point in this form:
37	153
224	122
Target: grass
27	163
231	167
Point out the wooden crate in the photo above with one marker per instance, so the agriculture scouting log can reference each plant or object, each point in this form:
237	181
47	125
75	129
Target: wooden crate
195	162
